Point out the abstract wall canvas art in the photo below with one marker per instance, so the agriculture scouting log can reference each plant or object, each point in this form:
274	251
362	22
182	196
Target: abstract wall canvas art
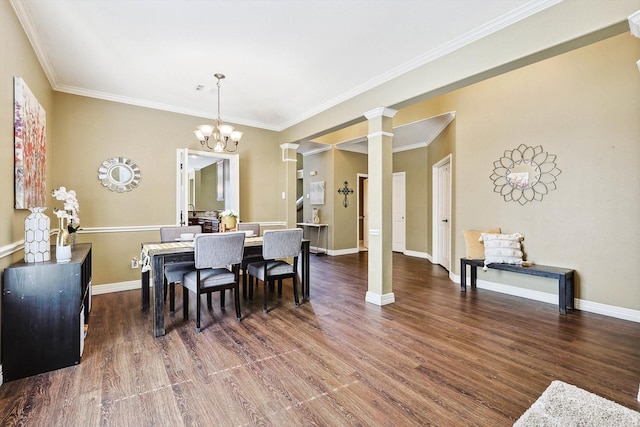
30	143
317	193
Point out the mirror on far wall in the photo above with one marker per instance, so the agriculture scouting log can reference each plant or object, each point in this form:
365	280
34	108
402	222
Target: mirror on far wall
206	182
525	174
119	174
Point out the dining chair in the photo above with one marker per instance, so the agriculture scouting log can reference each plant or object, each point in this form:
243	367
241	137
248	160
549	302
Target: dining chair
277	245
173	272
249	255
217	260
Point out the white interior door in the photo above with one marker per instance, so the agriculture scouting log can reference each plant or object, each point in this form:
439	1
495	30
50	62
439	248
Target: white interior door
365	212
399	212
444	215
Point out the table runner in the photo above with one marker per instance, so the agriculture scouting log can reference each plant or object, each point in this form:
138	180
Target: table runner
145	255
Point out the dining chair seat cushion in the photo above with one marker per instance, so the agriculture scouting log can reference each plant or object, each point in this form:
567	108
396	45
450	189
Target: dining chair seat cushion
174	271
208	278
274	268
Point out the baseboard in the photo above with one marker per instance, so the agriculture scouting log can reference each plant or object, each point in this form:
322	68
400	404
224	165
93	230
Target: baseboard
379	299
584	305
608	310
417	254
115	287
343	251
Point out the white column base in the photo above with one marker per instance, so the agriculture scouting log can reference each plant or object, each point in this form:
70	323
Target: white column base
379	299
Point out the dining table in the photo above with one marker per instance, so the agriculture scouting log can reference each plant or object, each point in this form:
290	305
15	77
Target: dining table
155	255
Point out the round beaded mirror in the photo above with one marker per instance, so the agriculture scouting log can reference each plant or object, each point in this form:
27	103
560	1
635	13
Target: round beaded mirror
119	174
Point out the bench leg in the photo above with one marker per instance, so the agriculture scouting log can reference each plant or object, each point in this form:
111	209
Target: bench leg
474	276
570	294
463	275
562	294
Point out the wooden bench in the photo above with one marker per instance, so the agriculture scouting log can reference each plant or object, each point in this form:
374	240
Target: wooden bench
563	275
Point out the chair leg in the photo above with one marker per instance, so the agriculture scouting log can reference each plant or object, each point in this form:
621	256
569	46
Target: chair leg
222	298
164	283
198	313
236	294
295	290
264	306
209	300
251	284
279	288
185	303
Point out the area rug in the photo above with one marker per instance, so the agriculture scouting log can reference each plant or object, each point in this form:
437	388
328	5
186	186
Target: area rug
565	405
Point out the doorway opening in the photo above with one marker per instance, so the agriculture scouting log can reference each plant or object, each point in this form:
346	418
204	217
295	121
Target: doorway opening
363	216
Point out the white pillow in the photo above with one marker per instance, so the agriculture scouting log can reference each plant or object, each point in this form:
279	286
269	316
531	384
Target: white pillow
502	248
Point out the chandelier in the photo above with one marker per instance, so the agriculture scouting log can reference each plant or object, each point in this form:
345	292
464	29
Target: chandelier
220	135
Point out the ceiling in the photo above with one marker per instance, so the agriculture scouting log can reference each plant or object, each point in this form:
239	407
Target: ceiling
284	60
407	137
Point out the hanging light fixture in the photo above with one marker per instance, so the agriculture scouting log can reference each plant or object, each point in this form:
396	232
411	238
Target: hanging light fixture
223	136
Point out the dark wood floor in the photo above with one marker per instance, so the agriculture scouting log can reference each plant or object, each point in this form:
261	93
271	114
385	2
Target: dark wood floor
435	357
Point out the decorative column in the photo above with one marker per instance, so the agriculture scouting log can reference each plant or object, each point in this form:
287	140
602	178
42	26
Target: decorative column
290	176
380	177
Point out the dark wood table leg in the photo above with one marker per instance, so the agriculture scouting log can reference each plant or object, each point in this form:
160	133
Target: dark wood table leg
144	279
305	271
158	296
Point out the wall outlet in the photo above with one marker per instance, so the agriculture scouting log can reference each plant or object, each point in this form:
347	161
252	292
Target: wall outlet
134	262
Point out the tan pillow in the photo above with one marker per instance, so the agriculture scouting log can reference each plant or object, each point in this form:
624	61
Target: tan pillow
475	248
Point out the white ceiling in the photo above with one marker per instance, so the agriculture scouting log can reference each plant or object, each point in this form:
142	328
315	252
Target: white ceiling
407	137
285	60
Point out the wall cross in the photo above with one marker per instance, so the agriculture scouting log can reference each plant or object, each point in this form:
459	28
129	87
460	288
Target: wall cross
345	191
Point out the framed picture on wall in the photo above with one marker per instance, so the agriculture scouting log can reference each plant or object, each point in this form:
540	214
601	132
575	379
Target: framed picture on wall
316	193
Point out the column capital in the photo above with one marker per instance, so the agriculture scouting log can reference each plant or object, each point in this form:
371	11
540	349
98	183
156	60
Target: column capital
380	112
285	154
380	133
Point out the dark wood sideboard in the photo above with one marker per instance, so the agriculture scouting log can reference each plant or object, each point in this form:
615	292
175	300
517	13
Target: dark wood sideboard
209	225
45	313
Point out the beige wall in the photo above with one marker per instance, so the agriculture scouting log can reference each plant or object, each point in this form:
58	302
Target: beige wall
90	131
18	59
415	164
583	107
347	166
322	163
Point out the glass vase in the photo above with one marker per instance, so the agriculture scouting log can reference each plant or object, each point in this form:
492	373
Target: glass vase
63	243
37	239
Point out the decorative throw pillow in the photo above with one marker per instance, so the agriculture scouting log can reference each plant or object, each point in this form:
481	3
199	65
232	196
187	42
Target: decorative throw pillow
475	248
502	248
